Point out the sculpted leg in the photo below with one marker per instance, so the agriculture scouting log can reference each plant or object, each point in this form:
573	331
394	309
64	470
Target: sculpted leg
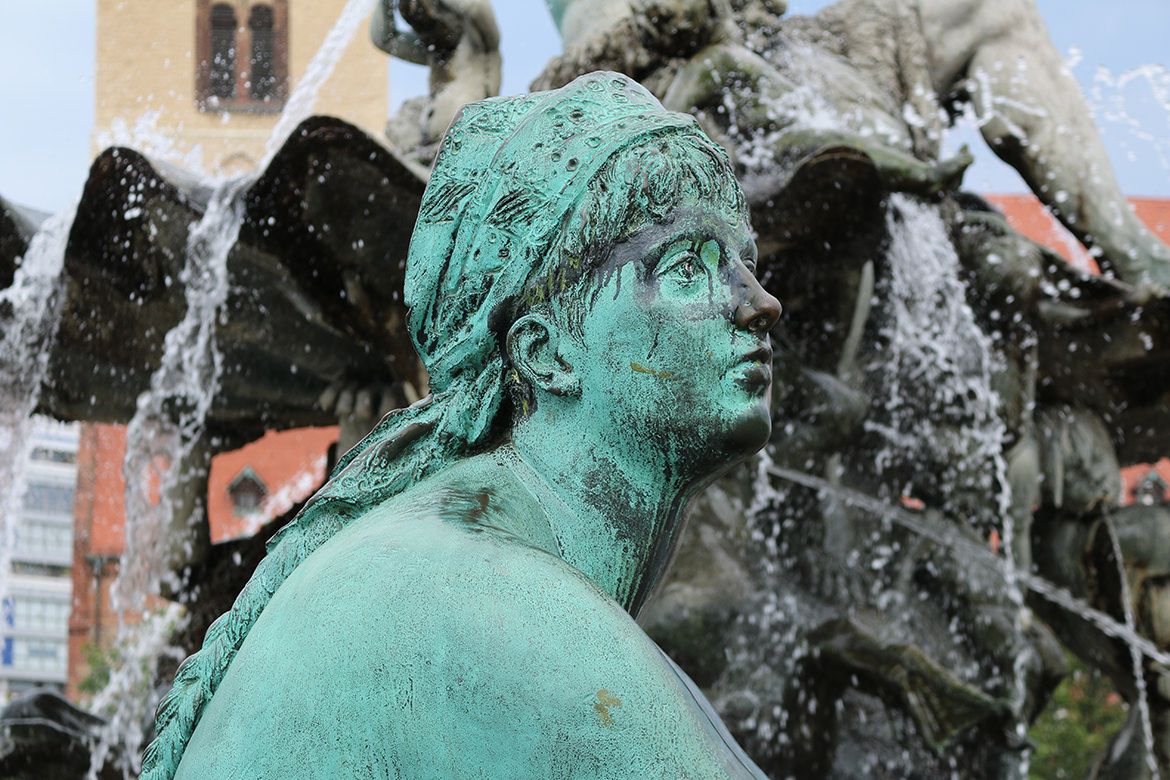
757	90
1033	115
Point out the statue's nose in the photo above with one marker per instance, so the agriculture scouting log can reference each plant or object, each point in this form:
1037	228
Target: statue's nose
756	310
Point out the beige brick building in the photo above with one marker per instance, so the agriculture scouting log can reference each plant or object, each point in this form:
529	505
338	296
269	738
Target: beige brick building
201	82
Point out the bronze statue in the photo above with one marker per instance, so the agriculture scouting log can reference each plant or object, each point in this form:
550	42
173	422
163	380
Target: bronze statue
458	600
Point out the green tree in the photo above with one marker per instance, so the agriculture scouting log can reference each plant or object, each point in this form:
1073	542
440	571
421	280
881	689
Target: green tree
1084	713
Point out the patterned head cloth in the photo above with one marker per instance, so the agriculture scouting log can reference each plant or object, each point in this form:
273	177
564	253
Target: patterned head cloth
509	172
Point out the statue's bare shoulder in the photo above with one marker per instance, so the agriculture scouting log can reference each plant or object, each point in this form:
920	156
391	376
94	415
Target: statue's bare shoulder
453	624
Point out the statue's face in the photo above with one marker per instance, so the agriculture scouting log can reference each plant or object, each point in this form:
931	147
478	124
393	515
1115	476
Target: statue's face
676	344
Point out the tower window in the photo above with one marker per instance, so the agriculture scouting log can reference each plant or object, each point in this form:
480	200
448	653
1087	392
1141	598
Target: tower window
243	55
247	492
263	81
222	84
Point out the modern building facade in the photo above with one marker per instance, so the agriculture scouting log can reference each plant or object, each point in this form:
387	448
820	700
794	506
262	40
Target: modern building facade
36	607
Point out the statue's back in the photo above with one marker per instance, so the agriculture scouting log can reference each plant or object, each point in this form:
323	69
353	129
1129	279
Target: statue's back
426	640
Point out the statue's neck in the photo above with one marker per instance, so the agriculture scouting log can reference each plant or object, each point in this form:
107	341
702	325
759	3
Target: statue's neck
616	519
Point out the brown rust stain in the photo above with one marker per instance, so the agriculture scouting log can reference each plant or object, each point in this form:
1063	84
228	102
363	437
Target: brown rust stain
641	369
605	700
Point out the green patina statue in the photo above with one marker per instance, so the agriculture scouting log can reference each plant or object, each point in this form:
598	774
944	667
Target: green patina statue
458	601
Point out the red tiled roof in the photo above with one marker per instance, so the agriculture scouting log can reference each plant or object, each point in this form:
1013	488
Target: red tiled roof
291	464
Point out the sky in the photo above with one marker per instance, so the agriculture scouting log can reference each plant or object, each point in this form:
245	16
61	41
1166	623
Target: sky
1119	52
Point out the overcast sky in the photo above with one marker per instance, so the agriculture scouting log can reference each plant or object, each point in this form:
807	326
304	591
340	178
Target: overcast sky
46	88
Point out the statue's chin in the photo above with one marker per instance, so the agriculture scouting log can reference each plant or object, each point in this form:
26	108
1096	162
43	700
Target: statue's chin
755	431
746	436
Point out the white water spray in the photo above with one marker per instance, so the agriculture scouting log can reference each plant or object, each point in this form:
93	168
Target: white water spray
30	312
935	344
940	536
166	454
938	362
1113	112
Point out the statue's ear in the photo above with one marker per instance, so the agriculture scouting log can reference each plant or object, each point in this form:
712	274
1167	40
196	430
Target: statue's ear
534	351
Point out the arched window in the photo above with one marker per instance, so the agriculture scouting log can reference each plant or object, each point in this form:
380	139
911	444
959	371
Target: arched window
223	52
242	55
262	85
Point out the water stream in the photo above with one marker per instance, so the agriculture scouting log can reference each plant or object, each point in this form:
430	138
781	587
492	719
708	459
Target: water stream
167	458
939	414
30	313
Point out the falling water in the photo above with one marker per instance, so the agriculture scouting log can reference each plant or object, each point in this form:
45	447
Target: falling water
1139	673
165	452
169	420
30	312
304	96
938	407
139	648
940	411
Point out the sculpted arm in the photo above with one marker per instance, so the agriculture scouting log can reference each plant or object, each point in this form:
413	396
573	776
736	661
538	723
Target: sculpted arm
403	44
1033	115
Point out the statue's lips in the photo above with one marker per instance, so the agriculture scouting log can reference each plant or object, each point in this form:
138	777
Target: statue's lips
754	371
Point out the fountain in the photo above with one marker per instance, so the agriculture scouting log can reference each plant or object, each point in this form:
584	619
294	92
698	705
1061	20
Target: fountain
883	592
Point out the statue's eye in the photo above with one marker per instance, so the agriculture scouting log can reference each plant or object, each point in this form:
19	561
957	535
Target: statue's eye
684	266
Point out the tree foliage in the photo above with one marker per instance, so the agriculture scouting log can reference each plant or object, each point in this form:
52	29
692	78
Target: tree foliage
1084	713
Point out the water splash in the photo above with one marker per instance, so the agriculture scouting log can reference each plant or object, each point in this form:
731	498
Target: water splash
166	458
947	538
937	409
304	96
1113	112
148	137
30	313
939	413
1139	674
